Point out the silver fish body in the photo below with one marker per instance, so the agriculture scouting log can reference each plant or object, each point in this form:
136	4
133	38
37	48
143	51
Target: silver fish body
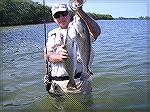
84	44
70	62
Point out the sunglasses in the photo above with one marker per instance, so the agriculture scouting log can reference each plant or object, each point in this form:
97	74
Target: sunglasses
63	13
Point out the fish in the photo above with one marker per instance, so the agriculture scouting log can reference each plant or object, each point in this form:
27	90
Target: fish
84	44
71	61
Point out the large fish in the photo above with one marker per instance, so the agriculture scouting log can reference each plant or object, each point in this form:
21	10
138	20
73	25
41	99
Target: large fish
70	62
84	44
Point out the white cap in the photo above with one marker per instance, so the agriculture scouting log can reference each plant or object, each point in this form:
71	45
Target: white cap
59	7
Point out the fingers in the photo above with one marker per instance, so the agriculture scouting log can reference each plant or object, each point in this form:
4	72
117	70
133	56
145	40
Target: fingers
63	52
79	2
63	57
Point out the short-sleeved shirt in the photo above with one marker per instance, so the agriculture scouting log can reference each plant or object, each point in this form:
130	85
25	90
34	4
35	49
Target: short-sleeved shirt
56	37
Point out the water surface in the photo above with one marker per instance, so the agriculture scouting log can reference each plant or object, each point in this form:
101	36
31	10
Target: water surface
120	69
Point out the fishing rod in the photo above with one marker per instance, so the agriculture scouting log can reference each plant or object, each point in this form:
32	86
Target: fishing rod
47	77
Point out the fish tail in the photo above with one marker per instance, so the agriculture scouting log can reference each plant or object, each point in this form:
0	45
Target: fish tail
85	75
71	84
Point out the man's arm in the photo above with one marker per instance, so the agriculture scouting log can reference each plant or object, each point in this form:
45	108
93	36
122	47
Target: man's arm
93	27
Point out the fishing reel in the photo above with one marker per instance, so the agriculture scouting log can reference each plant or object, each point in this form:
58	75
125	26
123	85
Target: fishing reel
74	4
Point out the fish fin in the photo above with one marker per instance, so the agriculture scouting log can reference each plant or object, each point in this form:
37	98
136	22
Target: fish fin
71	84
86	76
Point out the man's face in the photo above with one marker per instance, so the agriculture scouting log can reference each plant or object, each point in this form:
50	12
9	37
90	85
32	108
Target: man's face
62	19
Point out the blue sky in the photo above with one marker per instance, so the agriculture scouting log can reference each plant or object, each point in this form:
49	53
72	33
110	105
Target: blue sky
116	8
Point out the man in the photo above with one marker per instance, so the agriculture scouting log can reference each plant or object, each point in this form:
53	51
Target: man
57	54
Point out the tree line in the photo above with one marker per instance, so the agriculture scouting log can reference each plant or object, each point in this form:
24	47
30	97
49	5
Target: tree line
140	18
18	12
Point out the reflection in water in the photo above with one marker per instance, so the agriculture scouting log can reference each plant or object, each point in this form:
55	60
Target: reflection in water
76	102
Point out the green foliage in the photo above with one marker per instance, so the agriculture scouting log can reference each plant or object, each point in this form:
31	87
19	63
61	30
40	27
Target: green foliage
16	12
100	16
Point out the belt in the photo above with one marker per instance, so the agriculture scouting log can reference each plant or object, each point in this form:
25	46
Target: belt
78	75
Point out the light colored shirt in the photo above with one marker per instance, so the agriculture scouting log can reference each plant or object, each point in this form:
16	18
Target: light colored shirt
56	37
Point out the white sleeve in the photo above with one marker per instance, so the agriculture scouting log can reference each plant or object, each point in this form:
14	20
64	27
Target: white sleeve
51	40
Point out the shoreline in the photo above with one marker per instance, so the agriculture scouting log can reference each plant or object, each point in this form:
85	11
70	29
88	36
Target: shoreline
53	22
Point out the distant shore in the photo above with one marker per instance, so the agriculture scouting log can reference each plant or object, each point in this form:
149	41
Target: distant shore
52	22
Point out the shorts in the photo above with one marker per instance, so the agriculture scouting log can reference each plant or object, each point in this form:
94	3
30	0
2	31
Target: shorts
60	87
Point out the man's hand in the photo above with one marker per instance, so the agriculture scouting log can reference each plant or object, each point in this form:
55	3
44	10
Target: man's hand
62	52
58	57
79	2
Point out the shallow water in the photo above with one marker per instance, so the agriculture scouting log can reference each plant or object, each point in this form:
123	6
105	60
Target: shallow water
121	79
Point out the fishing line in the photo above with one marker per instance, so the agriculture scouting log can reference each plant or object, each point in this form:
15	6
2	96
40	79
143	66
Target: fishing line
45	37
47	77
